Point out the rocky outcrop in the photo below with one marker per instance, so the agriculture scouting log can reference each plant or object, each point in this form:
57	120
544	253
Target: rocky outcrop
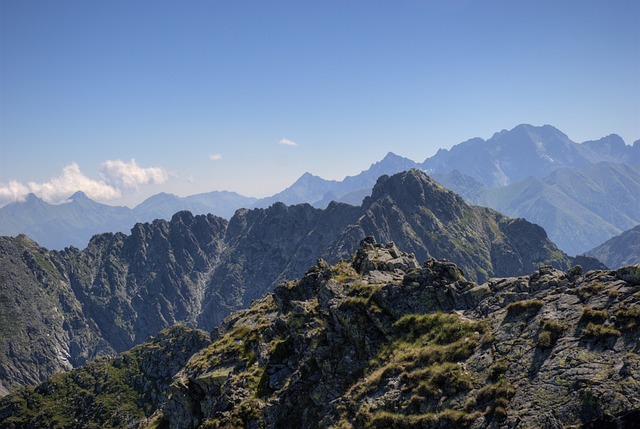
381	341
134	286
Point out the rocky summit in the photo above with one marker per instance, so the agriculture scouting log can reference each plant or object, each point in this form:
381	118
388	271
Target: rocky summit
61	309
376	341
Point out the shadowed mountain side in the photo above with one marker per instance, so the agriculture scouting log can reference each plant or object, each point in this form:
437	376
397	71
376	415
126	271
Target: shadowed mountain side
267	246
44	328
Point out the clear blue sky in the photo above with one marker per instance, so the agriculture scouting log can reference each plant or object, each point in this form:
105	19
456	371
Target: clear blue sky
202	94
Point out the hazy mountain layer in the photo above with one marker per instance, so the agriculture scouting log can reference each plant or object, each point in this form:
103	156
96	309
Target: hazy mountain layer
320	192
527	151
198	269
63	225
75	222
579	208
378	341
619	251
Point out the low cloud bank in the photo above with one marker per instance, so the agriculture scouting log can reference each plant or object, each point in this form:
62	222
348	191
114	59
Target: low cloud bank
116	176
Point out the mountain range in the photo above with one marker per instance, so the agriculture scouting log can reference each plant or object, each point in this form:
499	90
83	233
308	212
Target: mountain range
375	341
61	309
528	151
465	317
533	172
74	222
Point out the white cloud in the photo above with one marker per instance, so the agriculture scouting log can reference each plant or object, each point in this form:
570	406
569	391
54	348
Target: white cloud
215	157
130	175
287	142
13	191
59	188
116	177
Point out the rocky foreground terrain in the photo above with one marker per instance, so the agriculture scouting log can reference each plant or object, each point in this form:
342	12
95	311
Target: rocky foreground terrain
62	309
377	341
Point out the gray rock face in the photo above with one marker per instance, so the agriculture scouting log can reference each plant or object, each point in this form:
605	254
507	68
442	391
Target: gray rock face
198	269
422	217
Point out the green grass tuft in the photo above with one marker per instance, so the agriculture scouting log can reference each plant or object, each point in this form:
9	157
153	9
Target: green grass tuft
527	308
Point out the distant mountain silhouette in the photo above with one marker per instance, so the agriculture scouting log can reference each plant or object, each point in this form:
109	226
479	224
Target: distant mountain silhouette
220	203
527	151
320	192
73	223
62	225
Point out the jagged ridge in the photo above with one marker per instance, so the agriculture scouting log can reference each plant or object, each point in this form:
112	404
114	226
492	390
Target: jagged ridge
198	269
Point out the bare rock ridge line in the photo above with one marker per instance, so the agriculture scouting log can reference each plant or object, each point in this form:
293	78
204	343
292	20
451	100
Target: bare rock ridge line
64	308
376	341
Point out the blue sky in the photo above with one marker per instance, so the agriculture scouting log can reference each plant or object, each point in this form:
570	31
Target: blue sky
125	99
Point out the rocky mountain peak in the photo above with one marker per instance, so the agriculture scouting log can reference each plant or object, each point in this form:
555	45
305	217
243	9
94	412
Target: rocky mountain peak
391	157
511	156
79	196
413	189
